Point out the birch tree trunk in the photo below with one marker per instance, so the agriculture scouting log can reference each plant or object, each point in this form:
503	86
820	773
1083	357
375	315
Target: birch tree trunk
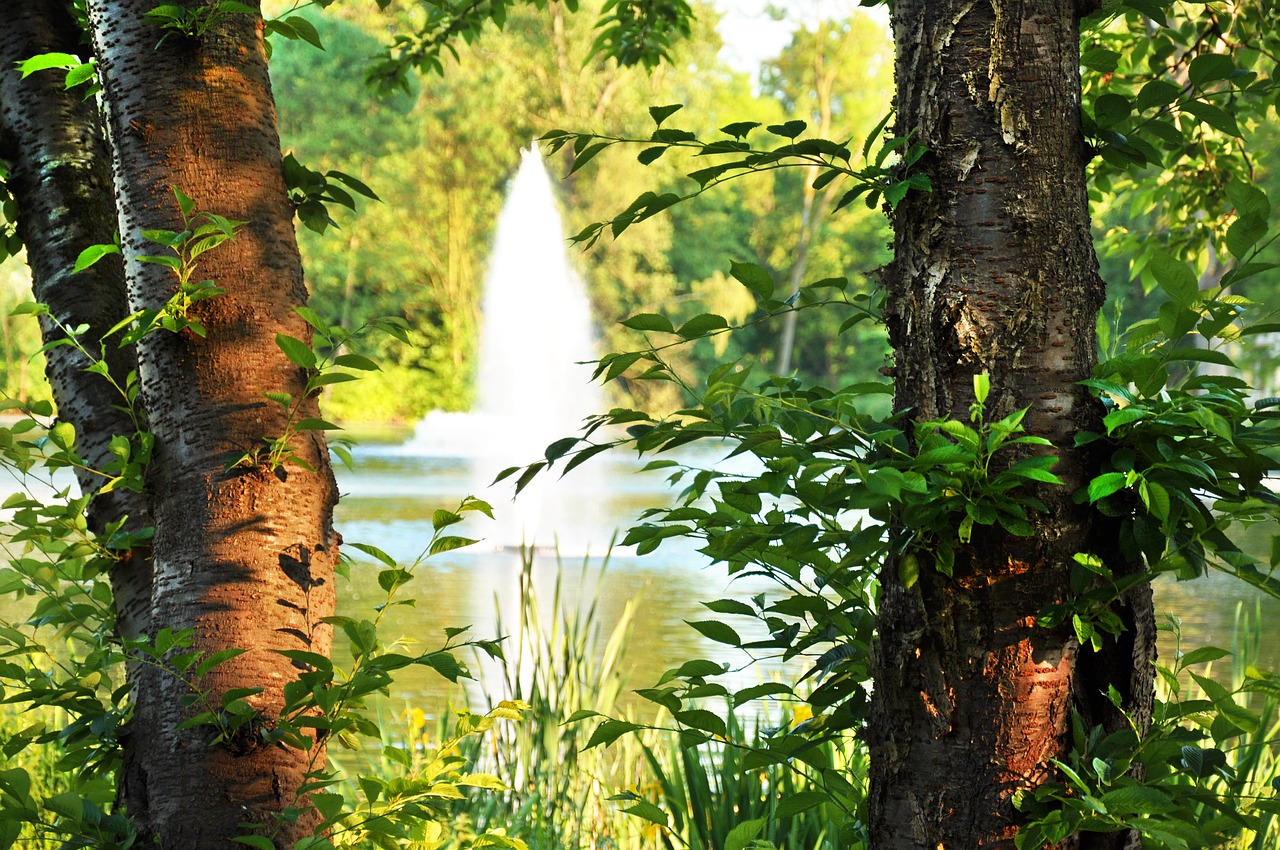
243	556
994	271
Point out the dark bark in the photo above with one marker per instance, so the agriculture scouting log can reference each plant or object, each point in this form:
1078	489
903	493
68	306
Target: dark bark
60	178
244	556
994	271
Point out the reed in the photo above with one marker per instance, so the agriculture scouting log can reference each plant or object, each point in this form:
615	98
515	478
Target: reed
1247	787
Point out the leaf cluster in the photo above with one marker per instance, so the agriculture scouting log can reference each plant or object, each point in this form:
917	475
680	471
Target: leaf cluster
196	21
311	192
885	176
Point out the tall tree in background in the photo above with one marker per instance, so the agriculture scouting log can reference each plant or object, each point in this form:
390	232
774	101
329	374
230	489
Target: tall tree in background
994	272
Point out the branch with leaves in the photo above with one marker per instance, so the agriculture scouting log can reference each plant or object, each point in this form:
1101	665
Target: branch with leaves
887	175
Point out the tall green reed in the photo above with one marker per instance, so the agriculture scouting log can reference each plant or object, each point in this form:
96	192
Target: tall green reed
560	797
555	663
1244	790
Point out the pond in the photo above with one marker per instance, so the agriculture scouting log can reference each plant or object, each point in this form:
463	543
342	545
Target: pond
390	496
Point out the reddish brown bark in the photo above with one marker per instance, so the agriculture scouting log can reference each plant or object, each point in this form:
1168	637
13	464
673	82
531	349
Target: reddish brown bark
994	271
243	556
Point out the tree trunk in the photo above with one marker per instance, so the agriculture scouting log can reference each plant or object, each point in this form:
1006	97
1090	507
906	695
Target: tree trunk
243	555
60	178
994	271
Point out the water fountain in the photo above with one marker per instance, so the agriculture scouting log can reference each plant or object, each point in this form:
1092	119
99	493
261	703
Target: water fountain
532	389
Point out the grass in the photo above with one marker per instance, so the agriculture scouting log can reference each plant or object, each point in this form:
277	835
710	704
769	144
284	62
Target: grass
1248	783
563	795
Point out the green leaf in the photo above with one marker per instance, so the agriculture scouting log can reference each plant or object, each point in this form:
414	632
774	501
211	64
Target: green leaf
743	833
296	350
1137	799
47	61
1244	233
981	387
730	606
445	664
716	631
703	721
650	155
586	155
1111	109
304	30
1210	67
1100	59
794	804
662	113
318	381
908	570
92	254
448	544
374	552
215	659
1201	655
609	731
1157	93
649	322
753	277
312	424
68	804
1156	499
1215	116
185	204
1201	763
356	361
1174	276
740	129
701	325
788	130
645	810
1106	484
81	74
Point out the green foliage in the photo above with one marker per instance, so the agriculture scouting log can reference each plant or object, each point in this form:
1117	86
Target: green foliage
632	33
557	666
10	244
883	176
201	232
64	664
1171	101
1190	451
194	22
1208	773
311	192
67	655
641	32
834	494
78	72
326	362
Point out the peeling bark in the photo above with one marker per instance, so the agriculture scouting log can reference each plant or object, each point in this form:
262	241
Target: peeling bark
243	556
994	271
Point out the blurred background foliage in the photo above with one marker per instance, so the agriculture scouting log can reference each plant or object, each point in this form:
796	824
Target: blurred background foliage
441	154
441	150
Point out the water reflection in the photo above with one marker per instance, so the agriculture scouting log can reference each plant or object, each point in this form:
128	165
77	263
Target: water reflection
390	499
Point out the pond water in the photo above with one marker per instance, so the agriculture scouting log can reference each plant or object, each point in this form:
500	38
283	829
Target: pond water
388	501
390	497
